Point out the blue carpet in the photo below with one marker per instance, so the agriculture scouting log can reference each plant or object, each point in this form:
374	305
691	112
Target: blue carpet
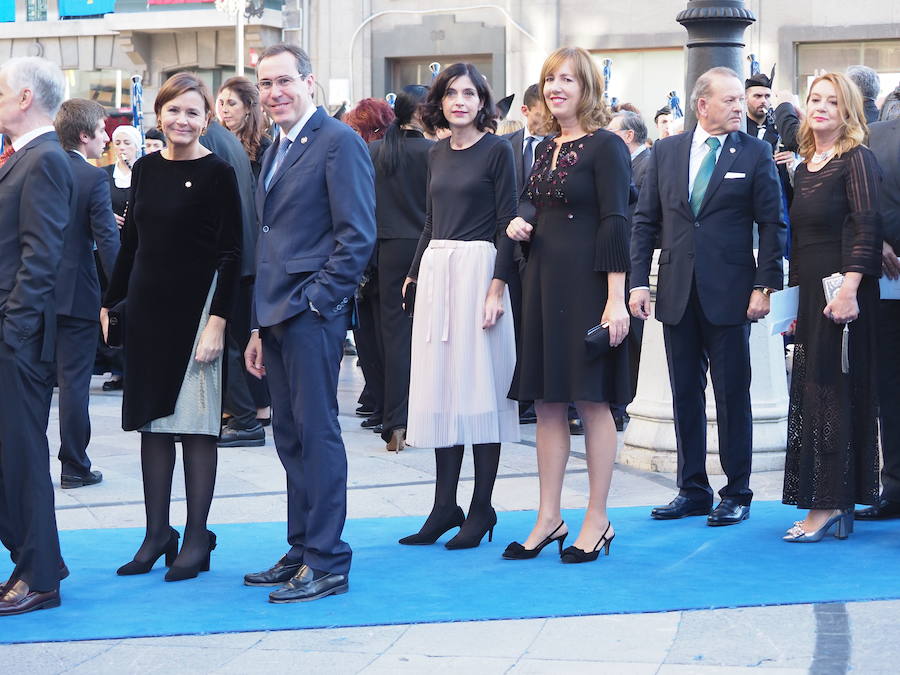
653	567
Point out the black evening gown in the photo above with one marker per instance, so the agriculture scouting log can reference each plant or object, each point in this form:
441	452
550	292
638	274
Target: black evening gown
832	446
580	235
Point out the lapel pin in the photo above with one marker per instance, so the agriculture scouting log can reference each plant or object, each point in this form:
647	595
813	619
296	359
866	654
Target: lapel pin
187	184
303	140
731	150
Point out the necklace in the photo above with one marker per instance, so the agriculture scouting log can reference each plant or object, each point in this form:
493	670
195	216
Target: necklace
821	157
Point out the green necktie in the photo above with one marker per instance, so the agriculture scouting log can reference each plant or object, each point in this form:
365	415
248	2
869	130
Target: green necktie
704	173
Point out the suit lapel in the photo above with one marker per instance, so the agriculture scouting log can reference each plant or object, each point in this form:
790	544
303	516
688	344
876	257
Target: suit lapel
519	149
684	168
18	154
729	154
304	139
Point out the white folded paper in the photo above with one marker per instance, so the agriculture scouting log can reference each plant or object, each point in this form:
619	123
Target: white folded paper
783	309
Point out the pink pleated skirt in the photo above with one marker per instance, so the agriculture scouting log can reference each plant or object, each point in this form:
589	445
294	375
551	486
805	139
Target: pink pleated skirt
460	373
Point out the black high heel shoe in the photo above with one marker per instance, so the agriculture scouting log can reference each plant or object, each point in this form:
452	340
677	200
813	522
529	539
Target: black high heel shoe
178	573
515	551
464	539
170	550
573	554
423	537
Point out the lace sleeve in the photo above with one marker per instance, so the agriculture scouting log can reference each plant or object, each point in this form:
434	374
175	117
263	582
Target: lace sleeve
862	234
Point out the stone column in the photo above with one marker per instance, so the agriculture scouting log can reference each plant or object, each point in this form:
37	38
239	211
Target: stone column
650	436
715	38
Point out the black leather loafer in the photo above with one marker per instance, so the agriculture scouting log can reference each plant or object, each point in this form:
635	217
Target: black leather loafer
884	509
281	572
235	437
17	598
728	512
681	507
71	482
304	587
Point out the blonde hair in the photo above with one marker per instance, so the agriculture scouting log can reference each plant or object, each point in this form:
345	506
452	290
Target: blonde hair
508	127
853	130
593	113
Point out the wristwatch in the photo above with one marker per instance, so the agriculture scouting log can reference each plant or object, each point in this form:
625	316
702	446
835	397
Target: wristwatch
766	291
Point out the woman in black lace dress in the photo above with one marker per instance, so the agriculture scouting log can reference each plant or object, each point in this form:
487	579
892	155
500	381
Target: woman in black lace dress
832	453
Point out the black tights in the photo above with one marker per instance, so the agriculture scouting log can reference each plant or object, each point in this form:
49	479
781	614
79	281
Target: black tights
157	466
448	463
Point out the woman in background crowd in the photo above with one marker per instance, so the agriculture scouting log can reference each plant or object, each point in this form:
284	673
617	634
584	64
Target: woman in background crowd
178	270
832	447
401	167
238	110
370	118
463	342
574	280
126	142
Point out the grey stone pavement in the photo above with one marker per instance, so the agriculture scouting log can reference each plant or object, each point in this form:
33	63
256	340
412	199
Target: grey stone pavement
819	639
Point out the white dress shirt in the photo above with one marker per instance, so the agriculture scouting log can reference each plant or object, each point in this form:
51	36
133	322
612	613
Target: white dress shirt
699	150
25	139
292	134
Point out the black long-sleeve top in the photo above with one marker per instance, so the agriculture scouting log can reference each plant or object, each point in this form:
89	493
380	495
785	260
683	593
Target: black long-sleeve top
400	198
471	197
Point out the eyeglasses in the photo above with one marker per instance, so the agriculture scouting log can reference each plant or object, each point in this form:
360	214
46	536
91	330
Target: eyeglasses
282	82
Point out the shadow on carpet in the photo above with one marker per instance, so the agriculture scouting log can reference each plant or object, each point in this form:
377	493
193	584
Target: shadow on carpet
653	567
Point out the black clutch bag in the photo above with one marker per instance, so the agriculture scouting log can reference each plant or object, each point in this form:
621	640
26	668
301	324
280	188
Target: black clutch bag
409	299
596	341
115	330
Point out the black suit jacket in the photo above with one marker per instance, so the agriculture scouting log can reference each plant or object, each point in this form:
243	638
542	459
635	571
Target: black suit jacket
639	168
715	247
884	141
78	288
36	205
517	140
226	145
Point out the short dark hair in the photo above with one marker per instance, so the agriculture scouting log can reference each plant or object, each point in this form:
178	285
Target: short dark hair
181	83
75	117
532	96
633	122
304	65
155	135
433	112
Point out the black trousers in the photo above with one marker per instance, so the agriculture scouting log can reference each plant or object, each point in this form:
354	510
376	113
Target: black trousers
303	359
367	336
76	346
693	346
889	397
244	394
27	517
394	258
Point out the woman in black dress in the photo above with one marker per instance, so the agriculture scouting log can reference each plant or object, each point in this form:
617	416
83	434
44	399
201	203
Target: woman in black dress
401	166
832	452
463	342
178	269
238	110
574	280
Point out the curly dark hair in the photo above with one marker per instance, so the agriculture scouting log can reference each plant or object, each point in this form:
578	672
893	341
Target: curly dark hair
432	109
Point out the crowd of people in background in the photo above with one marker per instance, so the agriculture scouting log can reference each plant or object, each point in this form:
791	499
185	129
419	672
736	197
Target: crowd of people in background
494	273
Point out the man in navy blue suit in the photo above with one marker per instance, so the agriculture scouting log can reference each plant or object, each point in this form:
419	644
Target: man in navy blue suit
702	193
82	133
316	206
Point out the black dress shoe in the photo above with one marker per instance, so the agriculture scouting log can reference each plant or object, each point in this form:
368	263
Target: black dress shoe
112	385
236	437
281	572
681	507
728	512
181	572
371	422
70	482
365	411
882	510
576	427
528	416
17	598
621	421
304	586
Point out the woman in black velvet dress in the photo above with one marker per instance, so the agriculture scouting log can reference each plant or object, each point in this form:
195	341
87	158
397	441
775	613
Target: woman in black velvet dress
832	452
178	269
574	280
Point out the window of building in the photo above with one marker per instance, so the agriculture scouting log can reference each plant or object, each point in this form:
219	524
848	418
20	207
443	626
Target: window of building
110	88
883	56
36	10
416	70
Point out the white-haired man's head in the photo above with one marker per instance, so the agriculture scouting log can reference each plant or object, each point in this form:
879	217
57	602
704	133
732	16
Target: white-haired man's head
31	92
